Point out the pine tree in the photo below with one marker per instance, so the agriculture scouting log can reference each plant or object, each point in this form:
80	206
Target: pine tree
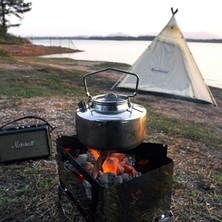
10	8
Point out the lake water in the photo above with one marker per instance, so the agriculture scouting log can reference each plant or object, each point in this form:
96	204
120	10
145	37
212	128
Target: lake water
208	56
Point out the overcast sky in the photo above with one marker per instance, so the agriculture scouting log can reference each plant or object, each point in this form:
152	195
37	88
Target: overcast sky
104	17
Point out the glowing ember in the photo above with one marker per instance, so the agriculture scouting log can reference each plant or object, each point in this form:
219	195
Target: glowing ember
110	165
95	153
116	163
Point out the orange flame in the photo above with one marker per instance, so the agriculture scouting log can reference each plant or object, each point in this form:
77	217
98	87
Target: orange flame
110	165
114	163
95	153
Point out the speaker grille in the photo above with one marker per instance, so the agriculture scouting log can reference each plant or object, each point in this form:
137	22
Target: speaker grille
23	144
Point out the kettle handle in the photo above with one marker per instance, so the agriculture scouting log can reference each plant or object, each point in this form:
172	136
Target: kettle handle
112	69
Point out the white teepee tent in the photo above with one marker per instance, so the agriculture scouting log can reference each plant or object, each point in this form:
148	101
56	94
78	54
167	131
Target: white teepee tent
168	67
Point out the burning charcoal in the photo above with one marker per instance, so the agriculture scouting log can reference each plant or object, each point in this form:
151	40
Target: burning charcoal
126	177
93	154
91	157
109	179
88	189
88	167
110	165
119	156
81	159
137	174
128	169
130	160
120	170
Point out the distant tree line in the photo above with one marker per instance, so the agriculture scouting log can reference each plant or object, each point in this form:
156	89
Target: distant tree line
122	38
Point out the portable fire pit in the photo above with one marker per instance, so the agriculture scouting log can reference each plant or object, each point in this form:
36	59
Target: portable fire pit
141	196
107	170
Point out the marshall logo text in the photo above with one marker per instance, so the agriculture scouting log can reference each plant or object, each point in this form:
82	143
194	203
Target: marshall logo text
26	144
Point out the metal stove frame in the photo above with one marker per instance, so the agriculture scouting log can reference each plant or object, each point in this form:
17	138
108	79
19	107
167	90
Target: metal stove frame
145	198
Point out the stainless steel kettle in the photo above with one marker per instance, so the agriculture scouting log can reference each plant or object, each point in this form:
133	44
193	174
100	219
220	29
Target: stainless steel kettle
111	121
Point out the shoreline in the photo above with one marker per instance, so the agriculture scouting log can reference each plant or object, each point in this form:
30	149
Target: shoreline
29	49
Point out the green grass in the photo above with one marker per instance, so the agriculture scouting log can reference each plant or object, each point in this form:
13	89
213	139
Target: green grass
176	182
218	178
183	128
46	81
3	202
39	83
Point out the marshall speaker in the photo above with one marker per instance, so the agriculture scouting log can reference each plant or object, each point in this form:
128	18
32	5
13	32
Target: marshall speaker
26	141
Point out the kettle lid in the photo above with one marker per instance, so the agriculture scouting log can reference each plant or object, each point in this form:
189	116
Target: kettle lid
110	103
